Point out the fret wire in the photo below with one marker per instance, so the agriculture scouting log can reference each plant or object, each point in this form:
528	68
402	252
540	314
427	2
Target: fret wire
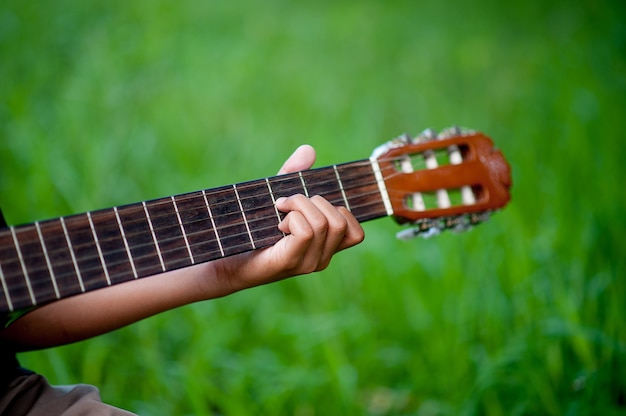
243	214
217	217
348	177
48	262
255	183
219	241
21	258
246	244
343	192
216	229
269	187
243	186
182	229
306	191
95	238
69	246
5	289
288	189
130	257
246	185
156	244
192	245
352	165
213	223
335	201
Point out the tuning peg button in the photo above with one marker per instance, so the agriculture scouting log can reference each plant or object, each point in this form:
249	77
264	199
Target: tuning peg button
425	136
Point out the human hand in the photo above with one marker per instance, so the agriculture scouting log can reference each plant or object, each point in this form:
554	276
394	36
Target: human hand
315	230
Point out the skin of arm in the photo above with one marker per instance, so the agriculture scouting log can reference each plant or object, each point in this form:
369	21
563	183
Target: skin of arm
315	230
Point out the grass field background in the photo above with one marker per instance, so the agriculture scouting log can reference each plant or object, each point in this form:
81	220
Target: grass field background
108	102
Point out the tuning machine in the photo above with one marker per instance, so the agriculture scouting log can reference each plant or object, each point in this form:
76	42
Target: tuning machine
430	134
425	136
427	228
400	141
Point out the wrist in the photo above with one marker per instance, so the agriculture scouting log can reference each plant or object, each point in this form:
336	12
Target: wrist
216	279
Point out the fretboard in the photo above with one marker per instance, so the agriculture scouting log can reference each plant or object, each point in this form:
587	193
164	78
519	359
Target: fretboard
58	258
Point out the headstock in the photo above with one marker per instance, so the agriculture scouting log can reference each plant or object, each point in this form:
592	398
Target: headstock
452	180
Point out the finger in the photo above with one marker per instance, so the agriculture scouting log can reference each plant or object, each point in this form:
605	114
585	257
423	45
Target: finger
344	230
354	233
302	159
297	242
313	234
337	226
329	230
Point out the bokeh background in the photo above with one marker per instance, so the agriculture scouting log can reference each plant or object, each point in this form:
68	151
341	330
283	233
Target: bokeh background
110	102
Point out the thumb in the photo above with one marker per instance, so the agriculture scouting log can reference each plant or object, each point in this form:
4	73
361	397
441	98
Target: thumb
302	159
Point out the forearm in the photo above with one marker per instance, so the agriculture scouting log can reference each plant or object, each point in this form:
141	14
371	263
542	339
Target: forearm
101	311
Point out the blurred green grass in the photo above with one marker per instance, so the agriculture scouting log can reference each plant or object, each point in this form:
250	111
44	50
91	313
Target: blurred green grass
105	103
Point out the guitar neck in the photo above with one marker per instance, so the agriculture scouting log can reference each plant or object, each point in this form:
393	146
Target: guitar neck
58	258
55	259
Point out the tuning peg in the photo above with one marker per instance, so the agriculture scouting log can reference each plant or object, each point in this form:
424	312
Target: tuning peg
455	131
400	141
405	138
425	136
412	232
431	227
450	132
423	228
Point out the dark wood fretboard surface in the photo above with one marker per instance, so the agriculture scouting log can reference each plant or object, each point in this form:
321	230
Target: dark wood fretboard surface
57	258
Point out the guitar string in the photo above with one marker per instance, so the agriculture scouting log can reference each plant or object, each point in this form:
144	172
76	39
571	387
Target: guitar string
214	207
138	258
207	256
254	184
222	228
180	199
241	187
122	249
213	255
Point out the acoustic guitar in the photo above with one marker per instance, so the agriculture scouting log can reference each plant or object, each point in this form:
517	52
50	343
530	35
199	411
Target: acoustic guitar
433	182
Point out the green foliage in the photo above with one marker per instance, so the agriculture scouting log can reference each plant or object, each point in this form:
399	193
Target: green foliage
104	103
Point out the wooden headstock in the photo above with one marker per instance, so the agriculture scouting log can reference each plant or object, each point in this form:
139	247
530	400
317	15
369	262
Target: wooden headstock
451	180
